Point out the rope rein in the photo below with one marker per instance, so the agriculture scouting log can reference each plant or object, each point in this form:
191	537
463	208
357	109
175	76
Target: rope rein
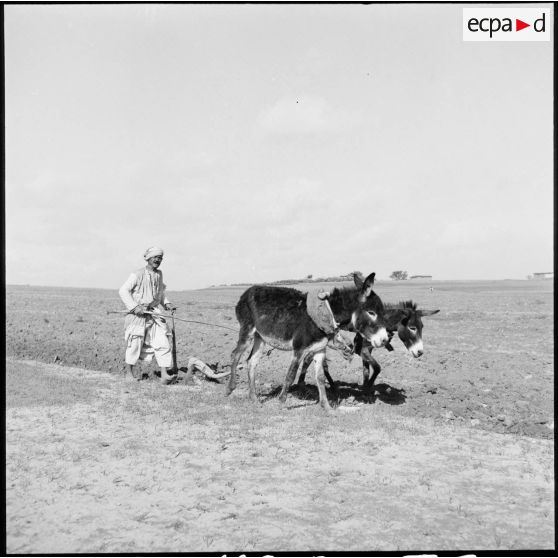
173	317
156	314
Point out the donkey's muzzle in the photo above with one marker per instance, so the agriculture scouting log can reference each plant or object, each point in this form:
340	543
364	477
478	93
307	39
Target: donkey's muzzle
380	338
416	350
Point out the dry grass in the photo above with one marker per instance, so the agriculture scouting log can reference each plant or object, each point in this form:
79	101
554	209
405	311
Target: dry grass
137	467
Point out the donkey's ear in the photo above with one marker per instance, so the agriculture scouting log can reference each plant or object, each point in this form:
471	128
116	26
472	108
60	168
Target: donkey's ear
368	284
405	315
427	312
358	278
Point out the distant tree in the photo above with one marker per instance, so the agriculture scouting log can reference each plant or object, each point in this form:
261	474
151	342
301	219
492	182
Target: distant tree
309	276
399	275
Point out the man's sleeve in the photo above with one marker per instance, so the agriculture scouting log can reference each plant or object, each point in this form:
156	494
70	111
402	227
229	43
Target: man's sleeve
125	292
164	290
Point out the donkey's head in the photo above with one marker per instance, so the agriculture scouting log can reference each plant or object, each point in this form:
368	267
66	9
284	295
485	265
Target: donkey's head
409	328
368	317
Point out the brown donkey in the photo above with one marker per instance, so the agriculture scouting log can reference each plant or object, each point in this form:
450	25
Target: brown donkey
278	316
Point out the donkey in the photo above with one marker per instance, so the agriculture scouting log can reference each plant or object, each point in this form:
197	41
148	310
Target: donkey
278	316
403	318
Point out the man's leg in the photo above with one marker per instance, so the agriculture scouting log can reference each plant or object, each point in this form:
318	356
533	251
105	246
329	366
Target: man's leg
163	354
130	372
166	378
133	351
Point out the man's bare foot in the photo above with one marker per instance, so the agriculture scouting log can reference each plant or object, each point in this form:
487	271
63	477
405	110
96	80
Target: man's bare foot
166	378
130	377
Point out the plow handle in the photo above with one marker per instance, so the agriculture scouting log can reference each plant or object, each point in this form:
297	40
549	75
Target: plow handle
174	361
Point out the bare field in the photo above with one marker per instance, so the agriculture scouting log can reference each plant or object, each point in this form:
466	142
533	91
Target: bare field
456	453
489	353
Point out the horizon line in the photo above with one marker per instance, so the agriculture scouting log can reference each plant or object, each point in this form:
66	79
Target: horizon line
283	281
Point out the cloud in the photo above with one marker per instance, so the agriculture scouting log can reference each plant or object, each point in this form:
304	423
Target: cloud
462	233
304	115
480	233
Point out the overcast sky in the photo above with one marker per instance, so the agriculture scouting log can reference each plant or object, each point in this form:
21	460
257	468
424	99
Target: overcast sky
264	142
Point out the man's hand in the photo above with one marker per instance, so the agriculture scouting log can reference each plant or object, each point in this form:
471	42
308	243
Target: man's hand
139	310
169	307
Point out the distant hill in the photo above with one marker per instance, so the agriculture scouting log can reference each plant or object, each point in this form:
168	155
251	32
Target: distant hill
335	279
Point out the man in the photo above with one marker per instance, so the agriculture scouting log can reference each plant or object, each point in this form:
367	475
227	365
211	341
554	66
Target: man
147	334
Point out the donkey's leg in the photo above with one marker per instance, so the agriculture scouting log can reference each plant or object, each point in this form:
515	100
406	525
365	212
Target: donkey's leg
253	360
330	379
377	369
365	373
291	374
305	364
369	361
244	339
320	380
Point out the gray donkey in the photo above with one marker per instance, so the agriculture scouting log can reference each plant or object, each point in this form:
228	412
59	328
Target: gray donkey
403	318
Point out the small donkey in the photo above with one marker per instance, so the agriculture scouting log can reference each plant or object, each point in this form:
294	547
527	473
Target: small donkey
403	318
278	316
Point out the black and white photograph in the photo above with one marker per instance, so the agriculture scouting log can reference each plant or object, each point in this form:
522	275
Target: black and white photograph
279	278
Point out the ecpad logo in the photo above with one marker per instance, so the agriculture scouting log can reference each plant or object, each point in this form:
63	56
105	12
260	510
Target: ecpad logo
506	24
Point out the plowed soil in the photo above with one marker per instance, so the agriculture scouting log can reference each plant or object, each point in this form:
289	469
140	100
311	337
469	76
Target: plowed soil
455	453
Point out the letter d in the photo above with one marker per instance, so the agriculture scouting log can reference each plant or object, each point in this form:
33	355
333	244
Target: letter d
540	20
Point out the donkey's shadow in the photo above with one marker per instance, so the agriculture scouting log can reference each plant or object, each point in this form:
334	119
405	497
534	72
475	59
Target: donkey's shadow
345	390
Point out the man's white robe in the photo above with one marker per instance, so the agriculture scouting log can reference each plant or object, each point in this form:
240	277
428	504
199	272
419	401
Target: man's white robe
146	335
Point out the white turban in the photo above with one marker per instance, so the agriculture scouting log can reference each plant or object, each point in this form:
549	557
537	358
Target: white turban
153	251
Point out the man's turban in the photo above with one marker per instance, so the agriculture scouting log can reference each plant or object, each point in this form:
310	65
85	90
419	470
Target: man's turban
153	251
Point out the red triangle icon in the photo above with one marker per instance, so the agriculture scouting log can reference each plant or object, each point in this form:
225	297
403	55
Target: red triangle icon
519	25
